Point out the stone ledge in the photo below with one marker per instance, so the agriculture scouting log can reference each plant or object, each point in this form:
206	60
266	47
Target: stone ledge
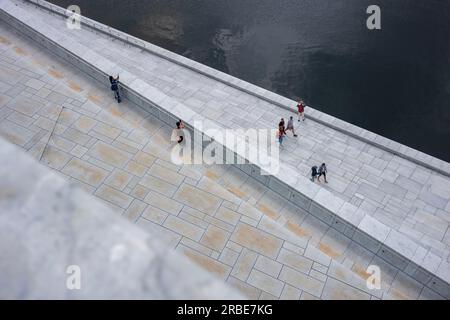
317	201
364	135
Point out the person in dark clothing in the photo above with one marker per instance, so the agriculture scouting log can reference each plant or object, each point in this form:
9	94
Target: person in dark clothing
314	173
323	172
282	127
115	87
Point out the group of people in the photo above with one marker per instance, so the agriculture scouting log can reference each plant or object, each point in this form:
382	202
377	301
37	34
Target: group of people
178	136
283	129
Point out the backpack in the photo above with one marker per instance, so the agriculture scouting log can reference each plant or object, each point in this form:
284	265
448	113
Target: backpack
114	86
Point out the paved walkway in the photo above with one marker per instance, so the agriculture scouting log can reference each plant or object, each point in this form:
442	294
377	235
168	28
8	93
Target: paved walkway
222	219
404	196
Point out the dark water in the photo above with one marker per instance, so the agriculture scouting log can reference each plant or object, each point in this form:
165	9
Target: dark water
394	81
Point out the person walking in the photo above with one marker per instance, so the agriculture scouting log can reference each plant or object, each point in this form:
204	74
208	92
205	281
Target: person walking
313	173
282	126
115	87
323	172
290	126
301	110
281	131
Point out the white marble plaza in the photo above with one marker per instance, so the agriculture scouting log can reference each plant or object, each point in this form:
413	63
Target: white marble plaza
221	218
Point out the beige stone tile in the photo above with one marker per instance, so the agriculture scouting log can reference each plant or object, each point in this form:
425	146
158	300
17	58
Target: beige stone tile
307	296
79	151
346	275
336	290
107	130
271	204
317	275
266	283
234	246
301	281
140	192
144	158
191	171
55	158
192	219
194	212
86	172
334	244
19	118
404	288
249	211
196	246
109	154
118	179
257	240
268	211
165	174
136	168
215	267
249	221
219	223
183	227
114	196
61	143
295	260
269	266
159	201
155	215
135	210
15	133
168	165
197	199
84	124
76	136
297	230
213	187
24	105
124	147
253	188
247	290
267	296
170	238
215	238
227	215
274	228
228	257
290	293
244	264
44	123
158	185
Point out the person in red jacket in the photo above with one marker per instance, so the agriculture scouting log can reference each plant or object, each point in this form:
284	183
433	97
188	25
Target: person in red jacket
301	110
